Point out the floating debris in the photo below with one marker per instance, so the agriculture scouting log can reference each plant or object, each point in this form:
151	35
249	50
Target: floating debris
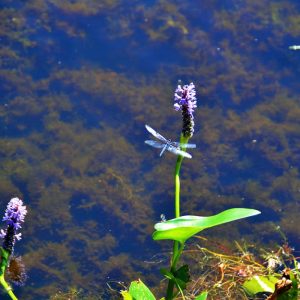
294	47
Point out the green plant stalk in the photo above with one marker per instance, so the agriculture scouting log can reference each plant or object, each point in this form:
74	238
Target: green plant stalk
177	249
4	262
7	288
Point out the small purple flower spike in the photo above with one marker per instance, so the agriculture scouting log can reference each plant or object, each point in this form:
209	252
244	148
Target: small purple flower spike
15	213
185	99
14	216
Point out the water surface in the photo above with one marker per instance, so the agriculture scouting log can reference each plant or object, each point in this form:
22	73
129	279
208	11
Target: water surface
78	81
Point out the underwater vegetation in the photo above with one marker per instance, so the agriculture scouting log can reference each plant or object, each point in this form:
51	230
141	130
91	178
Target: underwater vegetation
256	278
244	276
181	228
78	80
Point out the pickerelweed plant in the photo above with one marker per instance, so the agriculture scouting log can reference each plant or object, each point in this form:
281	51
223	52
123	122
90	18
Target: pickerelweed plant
14	217
181	228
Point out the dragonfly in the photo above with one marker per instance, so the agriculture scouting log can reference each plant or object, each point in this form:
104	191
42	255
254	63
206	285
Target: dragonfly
165	144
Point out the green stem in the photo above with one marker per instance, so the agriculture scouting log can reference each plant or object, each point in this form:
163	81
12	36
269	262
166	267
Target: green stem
177	249
177	205
7	288
4	255
177	186
175	259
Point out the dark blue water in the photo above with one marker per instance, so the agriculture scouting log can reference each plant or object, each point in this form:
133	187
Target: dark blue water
78	82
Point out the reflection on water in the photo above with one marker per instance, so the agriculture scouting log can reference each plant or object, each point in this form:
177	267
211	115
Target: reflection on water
79	79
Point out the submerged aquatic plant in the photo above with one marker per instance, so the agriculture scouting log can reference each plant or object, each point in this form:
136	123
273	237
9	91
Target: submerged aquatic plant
14	216
182	228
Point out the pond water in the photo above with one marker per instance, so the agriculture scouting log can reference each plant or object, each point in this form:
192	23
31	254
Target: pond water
80	79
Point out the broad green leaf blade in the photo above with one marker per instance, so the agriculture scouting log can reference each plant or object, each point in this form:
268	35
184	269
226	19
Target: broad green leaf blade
126	295
202	296
182	228
260	284
138	291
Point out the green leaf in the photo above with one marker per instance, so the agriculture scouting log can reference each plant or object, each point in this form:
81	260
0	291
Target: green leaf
202	296
126	295
182	228
291	294
180	277
183	273
4	257
260	284
178	282
167	274
137	291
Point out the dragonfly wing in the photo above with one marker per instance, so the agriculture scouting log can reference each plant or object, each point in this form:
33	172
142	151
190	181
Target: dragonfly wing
163	150
178	151
189	145
184	145
155	144
156	134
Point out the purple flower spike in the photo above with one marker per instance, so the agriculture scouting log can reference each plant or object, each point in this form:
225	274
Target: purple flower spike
14	216
185	99
186	96
15	213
